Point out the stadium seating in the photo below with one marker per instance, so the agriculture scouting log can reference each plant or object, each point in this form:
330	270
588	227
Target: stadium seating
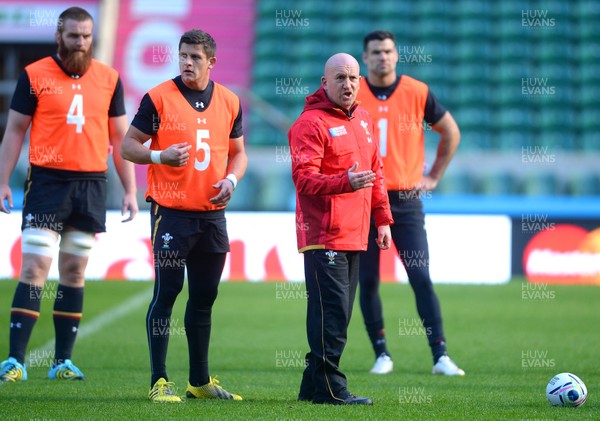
456	182
584	185
245	194
541	183
509	82
499	184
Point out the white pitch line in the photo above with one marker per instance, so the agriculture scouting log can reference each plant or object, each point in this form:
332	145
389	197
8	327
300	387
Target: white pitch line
105	318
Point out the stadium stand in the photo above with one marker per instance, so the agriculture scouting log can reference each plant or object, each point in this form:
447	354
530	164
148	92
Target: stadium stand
520	89
521	78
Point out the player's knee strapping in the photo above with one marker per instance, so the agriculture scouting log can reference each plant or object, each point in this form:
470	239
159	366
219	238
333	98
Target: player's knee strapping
79	243
38	241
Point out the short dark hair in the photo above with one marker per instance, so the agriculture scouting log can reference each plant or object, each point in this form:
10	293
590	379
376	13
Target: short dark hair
198	37
74	13
379	36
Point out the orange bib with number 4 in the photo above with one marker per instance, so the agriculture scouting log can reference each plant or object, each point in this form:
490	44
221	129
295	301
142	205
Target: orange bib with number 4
69	129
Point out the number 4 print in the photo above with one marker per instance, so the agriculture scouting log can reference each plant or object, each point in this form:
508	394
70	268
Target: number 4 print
200	135
75	114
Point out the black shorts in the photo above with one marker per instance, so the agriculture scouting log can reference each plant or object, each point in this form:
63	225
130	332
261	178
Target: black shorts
188	232
55	199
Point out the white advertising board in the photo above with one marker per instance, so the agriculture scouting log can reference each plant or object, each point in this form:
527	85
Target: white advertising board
463	249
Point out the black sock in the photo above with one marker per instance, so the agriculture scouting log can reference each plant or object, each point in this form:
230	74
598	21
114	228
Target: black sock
204	274
438	349
159	330
158	320
23	315
379	343
197	329
68	306
155	378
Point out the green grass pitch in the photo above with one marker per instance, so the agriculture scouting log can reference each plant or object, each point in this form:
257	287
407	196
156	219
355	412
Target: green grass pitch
510	339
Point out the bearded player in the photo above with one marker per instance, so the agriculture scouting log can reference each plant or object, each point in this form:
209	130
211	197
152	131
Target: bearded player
75	108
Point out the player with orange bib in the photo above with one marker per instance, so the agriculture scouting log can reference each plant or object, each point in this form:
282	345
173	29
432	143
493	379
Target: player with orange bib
401	108
75	108
196	158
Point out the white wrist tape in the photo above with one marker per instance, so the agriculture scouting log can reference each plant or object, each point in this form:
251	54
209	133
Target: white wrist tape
155	157
231	177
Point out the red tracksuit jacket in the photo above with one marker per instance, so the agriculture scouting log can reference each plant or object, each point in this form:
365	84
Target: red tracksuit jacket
324	144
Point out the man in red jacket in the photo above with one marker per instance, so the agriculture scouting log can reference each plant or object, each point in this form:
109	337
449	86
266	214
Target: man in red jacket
337	171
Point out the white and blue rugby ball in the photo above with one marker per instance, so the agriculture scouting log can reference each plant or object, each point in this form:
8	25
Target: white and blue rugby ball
566	389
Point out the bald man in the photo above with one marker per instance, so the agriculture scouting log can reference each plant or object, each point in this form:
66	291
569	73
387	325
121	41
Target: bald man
337	171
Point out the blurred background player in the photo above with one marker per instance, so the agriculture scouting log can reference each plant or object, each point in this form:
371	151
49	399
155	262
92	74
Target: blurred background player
337	172
400	105
75	107
196	158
